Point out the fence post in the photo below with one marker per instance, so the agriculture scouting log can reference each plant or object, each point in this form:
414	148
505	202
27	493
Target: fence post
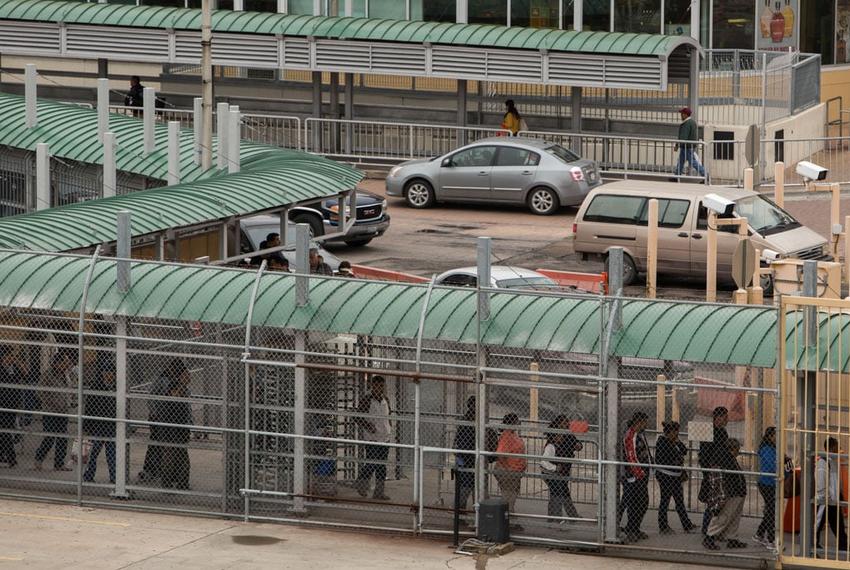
124	283
764	93
806	383
300	403
102	107
234	136
221	124
779	184
417	401
110	179
173	175
652	248
42	176
609	369
149	111
302	264
197	128
30	96
483	278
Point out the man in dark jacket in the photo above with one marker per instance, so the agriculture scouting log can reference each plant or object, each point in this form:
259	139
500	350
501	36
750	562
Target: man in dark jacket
465	462
10	398
687	150
712	454
101	405
55	403
135	96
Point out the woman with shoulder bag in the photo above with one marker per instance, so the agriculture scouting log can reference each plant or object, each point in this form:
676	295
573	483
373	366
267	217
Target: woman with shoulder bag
669	458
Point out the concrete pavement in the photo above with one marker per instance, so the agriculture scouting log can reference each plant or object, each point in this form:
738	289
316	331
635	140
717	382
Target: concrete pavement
48	536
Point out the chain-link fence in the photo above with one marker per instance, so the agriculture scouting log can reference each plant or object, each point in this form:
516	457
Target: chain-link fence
384	406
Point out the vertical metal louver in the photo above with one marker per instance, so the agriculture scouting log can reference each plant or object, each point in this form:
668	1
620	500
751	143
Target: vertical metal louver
515	65
573	69
248	50
398	58
296	53
453	61
187	47
337	54
29	37
133	44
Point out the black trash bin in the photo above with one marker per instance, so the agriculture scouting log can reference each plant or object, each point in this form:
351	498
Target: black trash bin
493	521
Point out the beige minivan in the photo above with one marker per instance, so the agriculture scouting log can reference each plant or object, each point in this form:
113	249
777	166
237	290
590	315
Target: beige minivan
615	214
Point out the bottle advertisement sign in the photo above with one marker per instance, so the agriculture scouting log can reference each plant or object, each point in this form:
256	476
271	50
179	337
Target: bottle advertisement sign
777	24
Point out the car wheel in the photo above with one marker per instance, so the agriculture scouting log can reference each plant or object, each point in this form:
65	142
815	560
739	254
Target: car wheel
419	194
358	242
629	270
543	201
316	227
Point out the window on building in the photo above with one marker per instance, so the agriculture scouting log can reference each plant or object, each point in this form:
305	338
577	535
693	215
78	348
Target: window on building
301	7
567	15
724	150
260	5
488	12
388	9
222	5
677	17
638	16
535	13
733	23
818	25
434	10
596	15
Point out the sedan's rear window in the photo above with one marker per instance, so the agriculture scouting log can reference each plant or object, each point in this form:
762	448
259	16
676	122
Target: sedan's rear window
564	154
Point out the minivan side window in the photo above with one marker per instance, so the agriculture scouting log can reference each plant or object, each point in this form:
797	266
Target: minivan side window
615	209
671	213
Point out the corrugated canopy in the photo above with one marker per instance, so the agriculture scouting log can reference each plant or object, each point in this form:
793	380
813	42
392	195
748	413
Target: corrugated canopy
270	177
344	28
651	329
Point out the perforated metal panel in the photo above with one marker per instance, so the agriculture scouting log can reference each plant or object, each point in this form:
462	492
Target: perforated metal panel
26	37
134	44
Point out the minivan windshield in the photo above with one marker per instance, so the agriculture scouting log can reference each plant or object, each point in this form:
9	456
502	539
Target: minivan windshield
563	154
764	216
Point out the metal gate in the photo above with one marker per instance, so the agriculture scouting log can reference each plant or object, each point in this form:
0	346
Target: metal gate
815	429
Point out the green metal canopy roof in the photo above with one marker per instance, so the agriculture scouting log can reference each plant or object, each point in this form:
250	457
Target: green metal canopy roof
269	177
344	28
651	329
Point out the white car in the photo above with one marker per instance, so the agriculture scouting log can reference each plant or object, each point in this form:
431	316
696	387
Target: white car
501	277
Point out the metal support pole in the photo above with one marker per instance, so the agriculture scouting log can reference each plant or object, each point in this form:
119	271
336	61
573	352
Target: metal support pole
81	343
652	249
42	176
149	103
221	123
102	108
779	184
348	95
173	175
461	110
120	491
609	369
711	259
198	129
122	251
30	87
806	384
300	404
207	84
233	139
575	110
317	110
763	93
110	175
693	84
302	264
284	226
102	67
484	256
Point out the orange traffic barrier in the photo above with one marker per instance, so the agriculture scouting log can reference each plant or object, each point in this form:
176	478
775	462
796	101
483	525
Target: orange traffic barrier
367	272
590	282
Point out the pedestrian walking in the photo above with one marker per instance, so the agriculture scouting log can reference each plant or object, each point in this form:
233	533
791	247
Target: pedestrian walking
465	462
559	445
375	427
636	456
670	455
828	497
10	399
711	455
160	388
728	491
512	120
175	456
101	406
766	533
688	131
53	402
510	470
135	96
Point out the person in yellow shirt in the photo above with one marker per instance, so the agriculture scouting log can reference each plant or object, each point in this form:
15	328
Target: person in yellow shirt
512	121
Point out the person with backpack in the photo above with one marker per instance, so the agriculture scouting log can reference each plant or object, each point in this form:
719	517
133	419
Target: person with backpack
513	121
635	499
711	454
556	473
728	490
670	455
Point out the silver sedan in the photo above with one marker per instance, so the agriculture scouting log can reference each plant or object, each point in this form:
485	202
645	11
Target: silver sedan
511	170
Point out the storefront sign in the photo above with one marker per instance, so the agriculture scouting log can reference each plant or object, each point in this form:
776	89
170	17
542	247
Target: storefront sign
777	24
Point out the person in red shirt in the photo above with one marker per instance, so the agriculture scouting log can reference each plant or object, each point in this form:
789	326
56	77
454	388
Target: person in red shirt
635	498
509	470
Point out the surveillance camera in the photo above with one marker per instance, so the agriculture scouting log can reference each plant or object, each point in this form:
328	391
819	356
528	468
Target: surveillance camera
719	205
811	171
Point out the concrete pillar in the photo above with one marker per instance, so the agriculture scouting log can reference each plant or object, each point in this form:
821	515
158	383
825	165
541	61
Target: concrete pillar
317	111
102	107
221	123
197	128
102	68
149	103
42	176
693	85
110	178
575	102
234	136
302	264
173	176
30	87
462	11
